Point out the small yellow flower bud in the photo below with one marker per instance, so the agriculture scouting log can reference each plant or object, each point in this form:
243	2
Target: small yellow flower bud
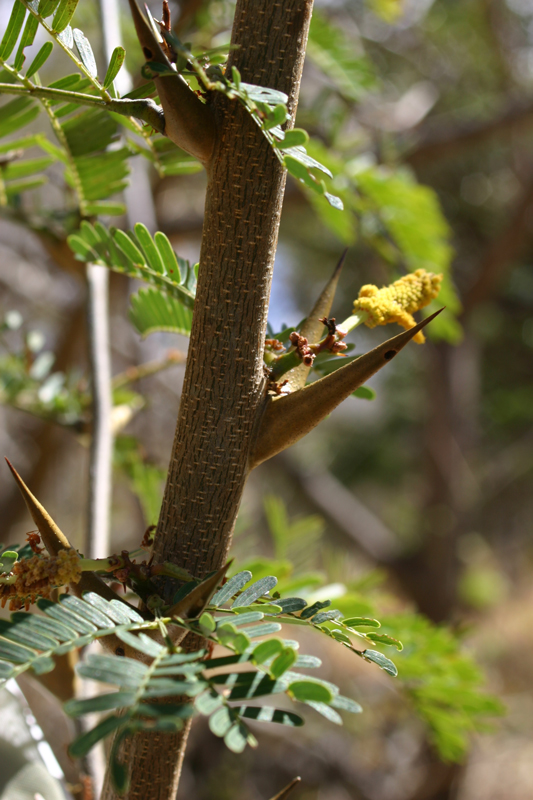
399	301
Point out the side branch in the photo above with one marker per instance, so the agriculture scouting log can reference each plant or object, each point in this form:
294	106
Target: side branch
189	123
289	418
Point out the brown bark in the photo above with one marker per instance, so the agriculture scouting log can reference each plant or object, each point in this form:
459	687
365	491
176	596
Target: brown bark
224	384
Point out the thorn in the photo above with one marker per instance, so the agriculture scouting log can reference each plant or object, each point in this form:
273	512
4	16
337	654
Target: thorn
290	417
312	327
189	123
194	603
286	791
53	538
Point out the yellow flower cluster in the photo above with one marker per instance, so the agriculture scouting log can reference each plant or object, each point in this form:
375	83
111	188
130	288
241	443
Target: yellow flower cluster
38	575
399	301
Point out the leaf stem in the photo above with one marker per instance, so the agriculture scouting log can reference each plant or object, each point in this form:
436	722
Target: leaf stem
143	109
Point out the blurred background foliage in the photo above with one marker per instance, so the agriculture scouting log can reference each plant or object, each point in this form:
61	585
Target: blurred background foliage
421	498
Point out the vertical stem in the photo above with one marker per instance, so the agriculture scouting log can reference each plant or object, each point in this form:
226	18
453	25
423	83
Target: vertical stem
224	388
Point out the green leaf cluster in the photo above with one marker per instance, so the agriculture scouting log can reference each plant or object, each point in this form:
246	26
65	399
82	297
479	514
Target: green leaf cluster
28	382
168	304
240	613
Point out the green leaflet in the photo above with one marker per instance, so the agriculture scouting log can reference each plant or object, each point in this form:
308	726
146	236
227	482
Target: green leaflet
351	74
30	29
40	59
30	641
231	588
47	7
64	14
16	114
152	310
306	692
255	591
382	661
14	26
115	64
152	260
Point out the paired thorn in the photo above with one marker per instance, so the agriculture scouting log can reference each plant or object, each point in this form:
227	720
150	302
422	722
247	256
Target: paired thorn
290	417
313	326
55	540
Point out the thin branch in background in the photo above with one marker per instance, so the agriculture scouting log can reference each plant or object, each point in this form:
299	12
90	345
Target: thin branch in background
353	518
102	438
133	374
450	141
502	252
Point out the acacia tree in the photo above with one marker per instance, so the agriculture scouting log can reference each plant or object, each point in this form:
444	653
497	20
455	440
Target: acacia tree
236	411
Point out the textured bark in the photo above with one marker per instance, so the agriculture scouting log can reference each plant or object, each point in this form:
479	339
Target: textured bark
224	386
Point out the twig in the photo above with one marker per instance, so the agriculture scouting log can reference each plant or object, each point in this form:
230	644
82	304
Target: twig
361	526
133	374
502	252
102	438
451	141
146	110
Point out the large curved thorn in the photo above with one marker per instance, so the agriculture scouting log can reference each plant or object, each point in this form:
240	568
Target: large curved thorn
189	123
288	418
312	328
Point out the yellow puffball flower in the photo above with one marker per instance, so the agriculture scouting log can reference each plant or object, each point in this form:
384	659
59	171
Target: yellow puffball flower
399	301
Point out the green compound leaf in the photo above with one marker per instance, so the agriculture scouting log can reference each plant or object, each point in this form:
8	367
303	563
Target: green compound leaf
333	53
152	260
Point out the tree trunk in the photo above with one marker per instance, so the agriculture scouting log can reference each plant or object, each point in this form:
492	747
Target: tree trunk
224	389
